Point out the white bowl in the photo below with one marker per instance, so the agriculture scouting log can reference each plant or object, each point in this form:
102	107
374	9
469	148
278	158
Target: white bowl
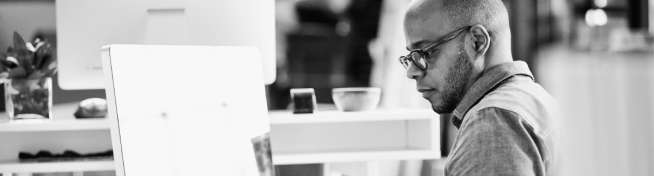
356	98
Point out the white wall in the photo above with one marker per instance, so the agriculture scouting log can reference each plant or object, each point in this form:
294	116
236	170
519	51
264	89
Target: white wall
607	103
25	17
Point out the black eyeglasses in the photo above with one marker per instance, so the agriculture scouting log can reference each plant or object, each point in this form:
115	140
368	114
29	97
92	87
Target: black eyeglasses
417	57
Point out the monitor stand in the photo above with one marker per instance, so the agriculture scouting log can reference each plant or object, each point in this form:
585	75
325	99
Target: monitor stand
167	27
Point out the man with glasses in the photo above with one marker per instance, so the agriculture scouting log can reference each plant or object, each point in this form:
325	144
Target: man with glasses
460	57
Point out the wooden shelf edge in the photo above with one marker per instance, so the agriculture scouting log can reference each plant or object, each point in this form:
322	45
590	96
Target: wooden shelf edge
285	159
16	167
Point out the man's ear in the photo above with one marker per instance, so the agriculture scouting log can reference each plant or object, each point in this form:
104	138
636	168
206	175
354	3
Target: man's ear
480	39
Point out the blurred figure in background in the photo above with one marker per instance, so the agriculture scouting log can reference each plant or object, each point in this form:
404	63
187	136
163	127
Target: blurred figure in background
363	17
460	57
323	44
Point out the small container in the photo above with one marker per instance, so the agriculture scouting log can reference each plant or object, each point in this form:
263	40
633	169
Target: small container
356	98
304	100
29	98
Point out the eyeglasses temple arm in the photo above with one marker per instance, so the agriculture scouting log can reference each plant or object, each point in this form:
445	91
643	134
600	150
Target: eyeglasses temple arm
448	37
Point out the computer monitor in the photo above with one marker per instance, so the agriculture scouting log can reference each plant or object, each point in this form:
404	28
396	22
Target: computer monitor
84	26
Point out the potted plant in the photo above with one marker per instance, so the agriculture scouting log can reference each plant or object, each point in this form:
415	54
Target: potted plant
27	70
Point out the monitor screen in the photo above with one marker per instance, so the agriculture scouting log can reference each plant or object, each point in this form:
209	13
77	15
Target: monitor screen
83	27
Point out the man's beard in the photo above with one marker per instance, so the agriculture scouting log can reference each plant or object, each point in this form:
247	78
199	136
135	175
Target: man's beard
455	81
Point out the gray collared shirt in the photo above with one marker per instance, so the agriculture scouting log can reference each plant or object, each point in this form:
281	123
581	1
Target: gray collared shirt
507	126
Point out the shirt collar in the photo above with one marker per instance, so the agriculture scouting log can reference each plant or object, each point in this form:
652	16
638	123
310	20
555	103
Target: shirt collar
489	80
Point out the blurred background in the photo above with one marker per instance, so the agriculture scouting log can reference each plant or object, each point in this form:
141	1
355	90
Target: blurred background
596	57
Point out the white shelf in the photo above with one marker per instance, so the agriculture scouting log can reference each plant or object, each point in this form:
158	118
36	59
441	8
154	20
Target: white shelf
334	136
16	167
54	125
333	116
331	157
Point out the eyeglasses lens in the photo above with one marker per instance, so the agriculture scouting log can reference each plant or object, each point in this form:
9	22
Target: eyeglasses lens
405	61
419	60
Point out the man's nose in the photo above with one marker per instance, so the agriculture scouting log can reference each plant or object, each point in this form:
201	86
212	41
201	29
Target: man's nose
413	72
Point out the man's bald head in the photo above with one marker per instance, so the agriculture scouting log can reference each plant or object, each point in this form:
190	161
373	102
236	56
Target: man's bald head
455	14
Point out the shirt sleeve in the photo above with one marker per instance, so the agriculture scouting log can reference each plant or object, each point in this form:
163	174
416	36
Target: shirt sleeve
496	141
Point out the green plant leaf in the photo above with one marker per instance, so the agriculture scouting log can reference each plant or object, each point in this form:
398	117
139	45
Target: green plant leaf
50	69
18	72
29	68
10	62
42	53
19	43
36	74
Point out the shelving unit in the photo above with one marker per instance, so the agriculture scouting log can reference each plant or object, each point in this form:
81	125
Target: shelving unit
322	137
62	132
370	136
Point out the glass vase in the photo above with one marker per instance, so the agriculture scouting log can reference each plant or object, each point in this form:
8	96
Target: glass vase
29	98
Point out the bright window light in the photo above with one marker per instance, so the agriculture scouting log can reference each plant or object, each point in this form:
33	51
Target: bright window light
600	17
601	3
589	18
596	17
